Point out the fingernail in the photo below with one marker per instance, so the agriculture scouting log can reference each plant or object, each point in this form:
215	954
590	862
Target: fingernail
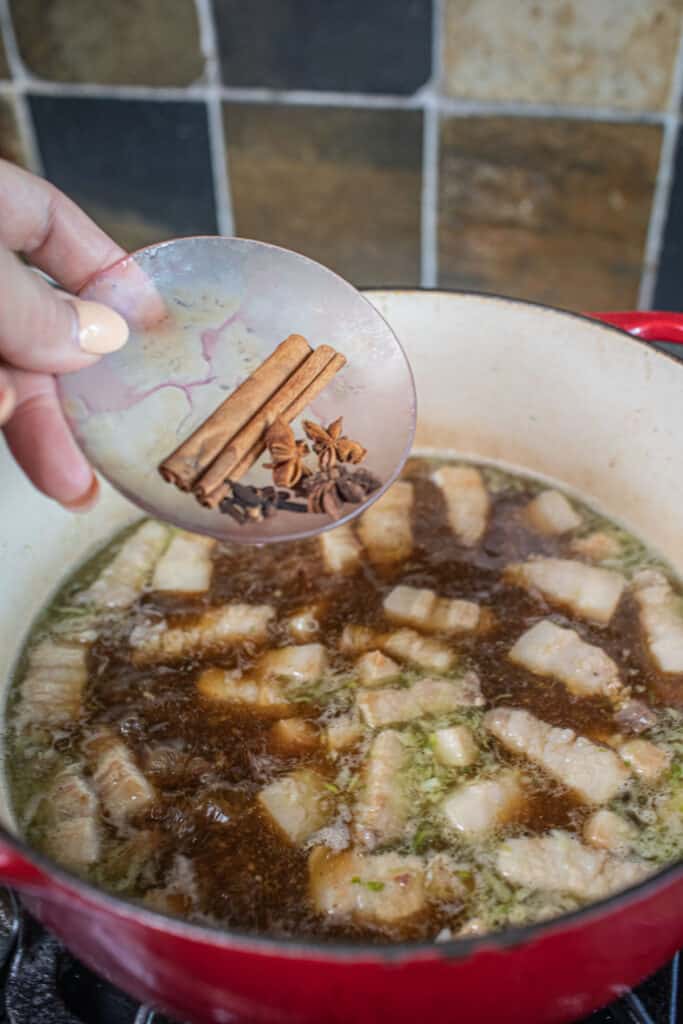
7	402
86	501
100	329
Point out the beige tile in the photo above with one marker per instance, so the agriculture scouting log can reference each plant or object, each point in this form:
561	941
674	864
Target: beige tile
551	210
340	185
10	142
148	42
593	53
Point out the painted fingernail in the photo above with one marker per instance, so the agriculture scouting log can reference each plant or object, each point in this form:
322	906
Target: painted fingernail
86	501
100	329
7	402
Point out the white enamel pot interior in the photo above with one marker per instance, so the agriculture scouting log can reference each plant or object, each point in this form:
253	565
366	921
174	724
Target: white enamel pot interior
537	388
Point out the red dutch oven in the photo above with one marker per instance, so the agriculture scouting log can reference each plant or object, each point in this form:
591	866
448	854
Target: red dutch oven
562	395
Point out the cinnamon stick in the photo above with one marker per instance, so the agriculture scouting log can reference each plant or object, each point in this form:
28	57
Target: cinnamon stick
305	398
244	448
187	463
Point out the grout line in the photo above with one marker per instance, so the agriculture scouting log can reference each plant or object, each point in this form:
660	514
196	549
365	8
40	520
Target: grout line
429	206
312	97
665	175
217	144
27	133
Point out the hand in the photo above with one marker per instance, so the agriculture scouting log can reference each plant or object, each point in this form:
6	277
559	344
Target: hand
43	332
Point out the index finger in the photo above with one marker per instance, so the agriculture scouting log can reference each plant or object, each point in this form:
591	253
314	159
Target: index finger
39	221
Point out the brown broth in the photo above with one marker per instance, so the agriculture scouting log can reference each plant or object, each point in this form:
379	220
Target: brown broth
208	760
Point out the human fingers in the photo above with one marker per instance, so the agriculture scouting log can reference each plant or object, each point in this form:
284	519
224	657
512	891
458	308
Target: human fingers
41	442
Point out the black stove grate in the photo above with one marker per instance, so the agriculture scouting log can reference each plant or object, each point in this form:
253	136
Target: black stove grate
41	983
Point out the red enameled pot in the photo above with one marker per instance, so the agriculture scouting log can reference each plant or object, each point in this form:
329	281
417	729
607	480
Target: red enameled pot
558	394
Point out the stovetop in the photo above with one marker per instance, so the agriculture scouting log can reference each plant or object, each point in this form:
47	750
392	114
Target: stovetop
42	983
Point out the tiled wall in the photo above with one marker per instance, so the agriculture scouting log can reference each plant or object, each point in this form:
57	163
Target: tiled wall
530	147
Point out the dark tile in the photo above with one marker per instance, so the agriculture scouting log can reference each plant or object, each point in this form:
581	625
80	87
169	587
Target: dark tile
592	53
553	210
141	169
669	288
140	42
340	185
4	66
349	45
11	147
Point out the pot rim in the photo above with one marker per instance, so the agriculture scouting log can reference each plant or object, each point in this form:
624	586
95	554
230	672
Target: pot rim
345	952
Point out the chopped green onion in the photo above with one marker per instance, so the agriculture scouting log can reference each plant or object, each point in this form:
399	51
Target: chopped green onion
371	885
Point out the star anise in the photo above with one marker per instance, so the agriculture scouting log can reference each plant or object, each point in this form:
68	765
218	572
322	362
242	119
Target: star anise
328	490
331	446
287	454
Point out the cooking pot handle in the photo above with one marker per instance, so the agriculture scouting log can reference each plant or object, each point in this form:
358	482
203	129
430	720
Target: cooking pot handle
20	872
649	325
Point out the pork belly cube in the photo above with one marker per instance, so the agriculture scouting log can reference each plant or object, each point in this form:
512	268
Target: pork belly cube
344	731
340	550
382	889
409	606
606	830
122	788
297	804
455	746
74	835
304	624
393	705
660	620
596	547
587	591
266	696
374	669
549	650
75	844
453	615
408	645
412	606
383	806
594	773
58	655
179	895
298	664
550	513
559	863
52	689
356	639
185	566
646	759
473	928
71	796
294	736
443	880
467	501
635	717
124	579
386	529
214	629
479	807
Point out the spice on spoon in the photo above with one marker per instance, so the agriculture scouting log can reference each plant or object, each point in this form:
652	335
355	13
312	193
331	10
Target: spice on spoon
287	453
331	446
185	465
242	450
256	416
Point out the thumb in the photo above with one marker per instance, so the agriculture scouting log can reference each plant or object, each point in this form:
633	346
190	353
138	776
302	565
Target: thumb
45	330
